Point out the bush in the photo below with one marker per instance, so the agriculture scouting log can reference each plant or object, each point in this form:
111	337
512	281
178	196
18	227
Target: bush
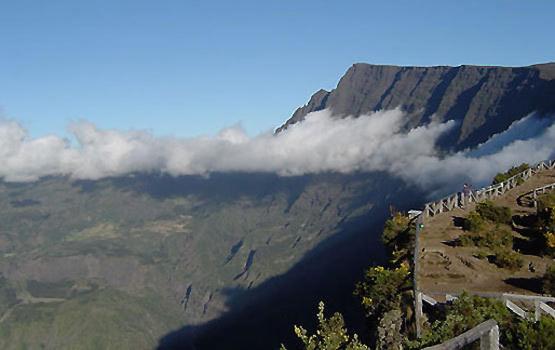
508	259
382	289
394	228
465	313
474	222
493	213
331	334
546	201
496	237
546	217
501	177
467	240
481	255
529	335
549	280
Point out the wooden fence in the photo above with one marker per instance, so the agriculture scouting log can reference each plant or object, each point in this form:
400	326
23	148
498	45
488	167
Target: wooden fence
541	190
459	199
539	302
486	332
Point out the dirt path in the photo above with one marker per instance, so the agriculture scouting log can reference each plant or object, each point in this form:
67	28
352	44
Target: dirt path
444	268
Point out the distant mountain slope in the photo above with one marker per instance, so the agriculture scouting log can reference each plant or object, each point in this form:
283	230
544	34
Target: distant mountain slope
125	261
485	100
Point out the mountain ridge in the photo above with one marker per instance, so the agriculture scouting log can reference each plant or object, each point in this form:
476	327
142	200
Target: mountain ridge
484	99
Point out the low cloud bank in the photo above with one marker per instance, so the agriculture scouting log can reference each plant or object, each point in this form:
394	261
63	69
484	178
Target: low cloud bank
374	142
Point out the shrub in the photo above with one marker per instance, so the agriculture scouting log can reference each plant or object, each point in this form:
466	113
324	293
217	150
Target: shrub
331	334
390	334
497	214
546	201
529	335
549	280
467	240
382	289
394	228
501	177
474	222
546	218
549	238
495	237
508	259
481	255
465	313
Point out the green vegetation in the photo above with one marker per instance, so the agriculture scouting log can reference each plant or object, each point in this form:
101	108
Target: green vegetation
501	177
549	280
463	314
506	258
545	223
495	237
488	227
396	230
330	335
468	311
496	214
528	335
383	289
398	236
546	201
124	321
474	222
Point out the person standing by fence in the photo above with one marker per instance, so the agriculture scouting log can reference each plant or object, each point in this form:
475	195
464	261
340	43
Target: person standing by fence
465	195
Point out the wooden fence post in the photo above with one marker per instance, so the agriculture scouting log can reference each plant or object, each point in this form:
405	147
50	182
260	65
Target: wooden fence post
490	340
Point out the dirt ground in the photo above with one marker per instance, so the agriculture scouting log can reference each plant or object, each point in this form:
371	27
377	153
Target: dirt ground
444	268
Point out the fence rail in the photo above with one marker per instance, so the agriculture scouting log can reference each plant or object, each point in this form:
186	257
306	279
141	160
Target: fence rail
487	332
539	301
539	191
457	200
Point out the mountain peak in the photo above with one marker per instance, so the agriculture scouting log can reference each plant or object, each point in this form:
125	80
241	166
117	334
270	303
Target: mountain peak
484	99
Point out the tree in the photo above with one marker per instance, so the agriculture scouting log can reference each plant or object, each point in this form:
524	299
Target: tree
529	335
501	177
330	335
382	289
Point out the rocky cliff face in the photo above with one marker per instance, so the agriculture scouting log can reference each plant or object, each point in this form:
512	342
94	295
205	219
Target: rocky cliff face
485	100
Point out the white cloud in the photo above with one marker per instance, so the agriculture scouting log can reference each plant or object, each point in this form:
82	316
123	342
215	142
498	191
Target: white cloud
373	142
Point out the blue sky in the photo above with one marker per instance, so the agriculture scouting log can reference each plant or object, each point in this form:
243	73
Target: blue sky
192	67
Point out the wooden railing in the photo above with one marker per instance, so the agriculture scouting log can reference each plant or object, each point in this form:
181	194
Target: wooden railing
486	332
539	302
459	199
540	191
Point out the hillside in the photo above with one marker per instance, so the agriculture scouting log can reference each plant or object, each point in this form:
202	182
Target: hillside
471	269
485	100
136	257
447	267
